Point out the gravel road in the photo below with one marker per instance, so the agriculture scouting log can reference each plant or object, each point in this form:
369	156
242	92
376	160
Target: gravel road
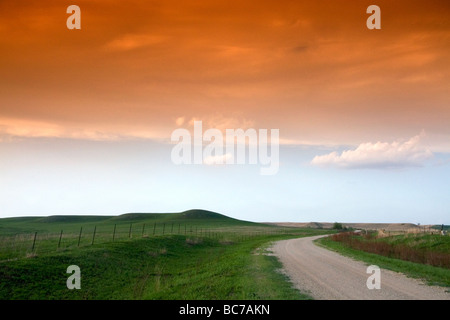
327	275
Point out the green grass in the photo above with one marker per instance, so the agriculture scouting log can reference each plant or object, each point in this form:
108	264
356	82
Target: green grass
201	256
430	242
431	274
20	237
170	267
54	224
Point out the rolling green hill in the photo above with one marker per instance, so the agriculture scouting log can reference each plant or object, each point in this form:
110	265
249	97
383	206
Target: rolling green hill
71	223
195	254
38	235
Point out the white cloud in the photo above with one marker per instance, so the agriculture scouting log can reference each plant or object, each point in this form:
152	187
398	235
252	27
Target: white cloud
221	122
221	159
398	154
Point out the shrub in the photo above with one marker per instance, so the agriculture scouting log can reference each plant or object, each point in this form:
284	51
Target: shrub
337	226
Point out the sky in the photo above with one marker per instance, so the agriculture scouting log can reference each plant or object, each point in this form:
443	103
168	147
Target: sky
87	115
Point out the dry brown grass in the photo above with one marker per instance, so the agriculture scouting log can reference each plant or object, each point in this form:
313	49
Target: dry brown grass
372	244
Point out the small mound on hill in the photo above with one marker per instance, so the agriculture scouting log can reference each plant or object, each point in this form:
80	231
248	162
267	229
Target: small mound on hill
314	225
202	214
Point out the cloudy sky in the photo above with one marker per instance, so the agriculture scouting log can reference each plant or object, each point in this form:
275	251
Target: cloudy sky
86	116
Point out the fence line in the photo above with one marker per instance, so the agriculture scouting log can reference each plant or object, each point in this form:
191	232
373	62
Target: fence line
22	245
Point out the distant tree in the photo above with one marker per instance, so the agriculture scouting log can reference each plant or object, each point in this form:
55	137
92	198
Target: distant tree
337	226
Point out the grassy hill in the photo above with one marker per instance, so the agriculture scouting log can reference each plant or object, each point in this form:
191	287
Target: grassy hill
37	235
194	254
20	225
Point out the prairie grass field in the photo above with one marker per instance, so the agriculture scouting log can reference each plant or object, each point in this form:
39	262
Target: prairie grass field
190	255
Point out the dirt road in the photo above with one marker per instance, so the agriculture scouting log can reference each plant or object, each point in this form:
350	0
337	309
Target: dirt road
326	275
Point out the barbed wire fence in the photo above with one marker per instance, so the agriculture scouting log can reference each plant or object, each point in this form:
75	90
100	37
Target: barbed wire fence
39	242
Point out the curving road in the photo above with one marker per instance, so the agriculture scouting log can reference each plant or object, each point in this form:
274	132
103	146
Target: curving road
327	275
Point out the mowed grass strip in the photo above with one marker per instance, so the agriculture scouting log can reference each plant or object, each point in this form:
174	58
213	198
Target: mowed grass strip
172	267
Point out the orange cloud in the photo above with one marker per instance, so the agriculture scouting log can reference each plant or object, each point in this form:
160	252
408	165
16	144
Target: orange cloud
134	41
22	128
312	70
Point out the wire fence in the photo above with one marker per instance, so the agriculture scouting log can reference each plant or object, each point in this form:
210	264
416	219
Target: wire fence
37	243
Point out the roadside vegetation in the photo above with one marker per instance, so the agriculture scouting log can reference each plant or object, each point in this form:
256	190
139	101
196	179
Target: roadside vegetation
425	256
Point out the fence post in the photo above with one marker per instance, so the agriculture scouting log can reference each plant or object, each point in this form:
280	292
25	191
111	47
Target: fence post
154	228
34	241
129	233
79	237
164	227
93	236
114	232
60	236
171	231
